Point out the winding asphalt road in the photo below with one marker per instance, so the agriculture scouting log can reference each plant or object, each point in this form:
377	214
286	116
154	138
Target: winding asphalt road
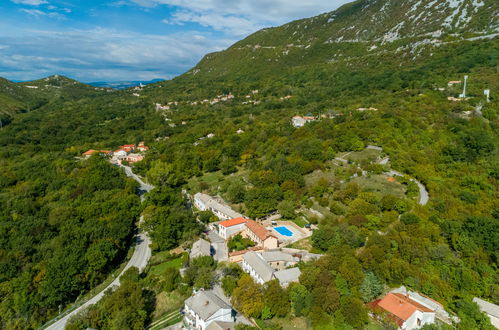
139	259
423	193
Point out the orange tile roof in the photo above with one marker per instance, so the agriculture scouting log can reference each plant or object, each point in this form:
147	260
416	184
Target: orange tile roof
401	306
233	222
89	152
258	230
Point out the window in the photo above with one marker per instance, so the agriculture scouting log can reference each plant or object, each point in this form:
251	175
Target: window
419	322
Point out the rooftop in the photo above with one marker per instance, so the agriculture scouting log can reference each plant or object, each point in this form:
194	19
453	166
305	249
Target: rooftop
258	230
271	256
206	303
287	276
233	222
259	265
487	307
200	248
401	306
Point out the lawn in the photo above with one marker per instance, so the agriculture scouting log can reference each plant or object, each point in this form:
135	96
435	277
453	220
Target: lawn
364	155
298	323
160	269
209	181
380	183
300	221
303	244
312	178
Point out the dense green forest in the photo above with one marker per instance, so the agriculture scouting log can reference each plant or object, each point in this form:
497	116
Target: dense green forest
65	223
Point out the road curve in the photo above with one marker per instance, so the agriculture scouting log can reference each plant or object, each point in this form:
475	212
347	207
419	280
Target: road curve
140	258
423	193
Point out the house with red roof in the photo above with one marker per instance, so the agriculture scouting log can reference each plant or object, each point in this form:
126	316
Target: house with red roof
231	227
260	235
128	147
404	311
89	153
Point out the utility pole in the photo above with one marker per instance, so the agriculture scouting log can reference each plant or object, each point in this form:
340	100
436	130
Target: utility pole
486	92
464	87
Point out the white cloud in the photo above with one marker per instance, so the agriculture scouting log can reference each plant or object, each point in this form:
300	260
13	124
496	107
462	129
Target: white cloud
103	54
241	17
30	2
39	13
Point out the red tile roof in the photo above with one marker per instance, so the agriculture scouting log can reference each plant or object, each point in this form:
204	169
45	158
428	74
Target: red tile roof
258	230
233	222
401	306
89	152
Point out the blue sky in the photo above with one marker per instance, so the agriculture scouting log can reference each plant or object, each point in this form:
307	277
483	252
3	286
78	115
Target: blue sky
92	40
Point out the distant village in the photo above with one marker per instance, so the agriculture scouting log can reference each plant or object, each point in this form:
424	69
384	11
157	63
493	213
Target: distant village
129	153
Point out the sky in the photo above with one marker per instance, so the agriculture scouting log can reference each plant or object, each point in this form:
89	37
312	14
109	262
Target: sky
123	40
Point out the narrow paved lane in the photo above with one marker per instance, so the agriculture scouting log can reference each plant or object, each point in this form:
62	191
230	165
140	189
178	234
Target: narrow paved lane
423	193
140	258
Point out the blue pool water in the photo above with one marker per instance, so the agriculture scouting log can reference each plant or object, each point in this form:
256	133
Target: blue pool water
284	231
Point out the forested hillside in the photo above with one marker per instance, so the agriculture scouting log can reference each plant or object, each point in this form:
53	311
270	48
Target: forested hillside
66	223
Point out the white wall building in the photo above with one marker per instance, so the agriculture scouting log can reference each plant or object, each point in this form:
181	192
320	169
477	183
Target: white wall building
490	309
257	268
205	307
205	202
407	313
228	228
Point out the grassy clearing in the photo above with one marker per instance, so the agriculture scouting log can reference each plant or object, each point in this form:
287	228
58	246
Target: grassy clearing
303	244
160	269
312	178
168	303
300	222
364	155
209	181
380	183
298	323
166	320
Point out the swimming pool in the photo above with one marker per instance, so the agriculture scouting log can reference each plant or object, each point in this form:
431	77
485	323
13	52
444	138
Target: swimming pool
284	231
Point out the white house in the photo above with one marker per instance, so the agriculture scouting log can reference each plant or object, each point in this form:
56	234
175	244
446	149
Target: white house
407	313
228	228
205	202
257	268
298	121
490	309
204	308
201	201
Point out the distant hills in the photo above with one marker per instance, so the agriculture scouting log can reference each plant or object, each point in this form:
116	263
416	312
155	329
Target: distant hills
122	84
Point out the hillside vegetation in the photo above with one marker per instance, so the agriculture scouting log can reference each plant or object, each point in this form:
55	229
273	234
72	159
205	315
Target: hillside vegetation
395	57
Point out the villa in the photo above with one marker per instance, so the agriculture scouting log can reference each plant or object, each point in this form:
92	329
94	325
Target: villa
411	310
261	236
405	312
228	228
204	308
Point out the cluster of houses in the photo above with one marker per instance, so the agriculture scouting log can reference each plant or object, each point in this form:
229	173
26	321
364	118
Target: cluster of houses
267	261
129	152
263	262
